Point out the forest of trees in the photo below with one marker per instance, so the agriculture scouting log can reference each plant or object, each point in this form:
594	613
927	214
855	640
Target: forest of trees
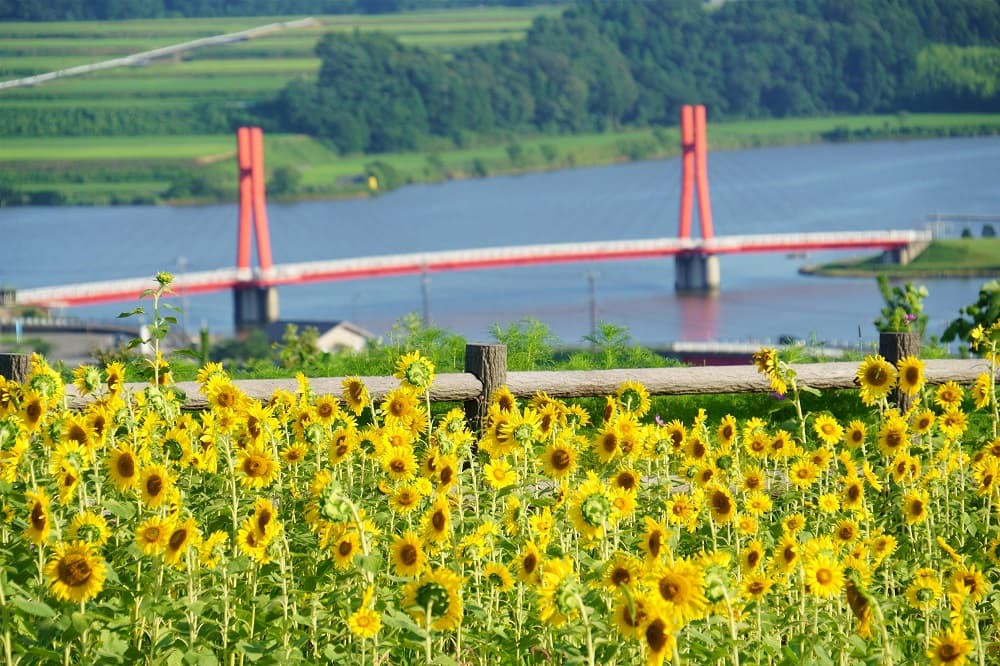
104	10
603	64
613	63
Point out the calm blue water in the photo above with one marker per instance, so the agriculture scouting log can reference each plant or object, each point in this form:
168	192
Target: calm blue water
883	185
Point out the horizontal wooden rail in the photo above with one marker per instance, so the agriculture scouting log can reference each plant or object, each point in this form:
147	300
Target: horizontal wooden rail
466	387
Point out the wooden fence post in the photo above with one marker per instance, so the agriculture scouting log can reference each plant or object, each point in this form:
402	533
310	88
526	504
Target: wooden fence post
892	347
15	367
488	362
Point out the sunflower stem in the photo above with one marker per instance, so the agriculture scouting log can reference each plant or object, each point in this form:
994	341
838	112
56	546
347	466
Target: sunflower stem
591	655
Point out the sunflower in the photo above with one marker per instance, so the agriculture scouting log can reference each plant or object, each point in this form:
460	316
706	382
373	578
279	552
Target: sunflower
123	466
90	528
39	516
924	590
114	374
399	463
855	434
695	448
923	421
399	405
803	473
364	622
607	442
971	581
621	571
151	535
982	390
911	374
949	647
720	504
756	586
876	376
752	556
345	548
915	504
355	394
222	394
853	496
953	422
986	473
437	522
212	549
415	371
633	397
251	544
497	577
726	432
183	535
757	503
405	498
446	472
327	409
949	394
559	458
499	474
435	596
34	408
681	589
892	436
529	564
758	444
265	520
683	509
676	433
257	467
828	430
590	508
627	479
557	603
407	555
75	572
786	553
824	577
630	613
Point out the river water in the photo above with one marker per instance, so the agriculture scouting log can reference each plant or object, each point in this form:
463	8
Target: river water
880	185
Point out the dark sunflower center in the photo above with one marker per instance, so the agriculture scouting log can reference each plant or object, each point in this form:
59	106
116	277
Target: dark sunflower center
177	539
656	637
620	576
824	576
439	520
447	474
345	548
38	519
125	465
74	570
408	554
529	563
560	459
154	485
670	588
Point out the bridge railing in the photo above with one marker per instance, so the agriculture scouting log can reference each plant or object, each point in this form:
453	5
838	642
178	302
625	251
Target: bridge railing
486	370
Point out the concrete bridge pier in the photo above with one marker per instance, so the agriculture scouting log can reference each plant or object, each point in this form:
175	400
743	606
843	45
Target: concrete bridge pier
254	307
697	272
904	254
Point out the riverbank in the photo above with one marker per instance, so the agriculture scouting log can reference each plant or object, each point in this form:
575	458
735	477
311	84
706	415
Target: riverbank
200	169
948	258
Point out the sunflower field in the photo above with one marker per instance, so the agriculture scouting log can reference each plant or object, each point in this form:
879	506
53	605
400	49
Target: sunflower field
318	528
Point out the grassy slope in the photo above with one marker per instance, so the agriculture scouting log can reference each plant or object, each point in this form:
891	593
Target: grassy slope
957	257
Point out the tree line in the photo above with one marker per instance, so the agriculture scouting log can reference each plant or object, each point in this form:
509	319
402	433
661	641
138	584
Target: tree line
109	10
612	63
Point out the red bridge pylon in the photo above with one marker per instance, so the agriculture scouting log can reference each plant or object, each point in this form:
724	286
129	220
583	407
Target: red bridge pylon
695	270
255	303
253	205
694	169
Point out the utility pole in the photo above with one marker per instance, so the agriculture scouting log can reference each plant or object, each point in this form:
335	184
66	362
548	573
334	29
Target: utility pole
591	278
425	281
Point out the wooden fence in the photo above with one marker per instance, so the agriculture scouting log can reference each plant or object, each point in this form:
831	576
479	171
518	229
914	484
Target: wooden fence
486	370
